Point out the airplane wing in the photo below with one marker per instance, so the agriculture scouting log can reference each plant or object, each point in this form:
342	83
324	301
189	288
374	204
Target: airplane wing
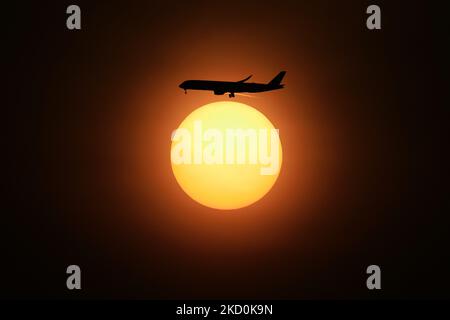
243	80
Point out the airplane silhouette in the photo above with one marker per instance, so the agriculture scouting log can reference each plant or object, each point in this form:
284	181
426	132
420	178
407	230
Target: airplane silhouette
222	87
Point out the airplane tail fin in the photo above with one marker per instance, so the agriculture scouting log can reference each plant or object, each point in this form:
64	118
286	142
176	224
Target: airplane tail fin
277	80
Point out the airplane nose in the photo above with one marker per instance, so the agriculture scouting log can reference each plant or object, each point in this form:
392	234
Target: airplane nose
181	86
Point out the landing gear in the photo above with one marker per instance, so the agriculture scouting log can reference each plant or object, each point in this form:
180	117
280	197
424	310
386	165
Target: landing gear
231	95
185	91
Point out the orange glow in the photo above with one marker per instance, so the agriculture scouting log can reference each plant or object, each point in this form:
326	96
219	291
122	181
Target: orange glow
154	106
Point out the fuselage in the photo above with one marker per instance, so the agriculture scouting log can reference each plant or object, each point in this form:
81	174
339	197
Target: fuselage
222	87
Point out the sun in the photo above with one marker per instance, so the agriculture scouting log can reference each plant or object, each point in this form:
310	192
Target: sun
226	155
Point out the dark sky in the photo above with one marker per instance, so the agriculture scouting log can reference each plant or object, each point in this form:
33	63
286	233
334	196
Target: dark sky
86	138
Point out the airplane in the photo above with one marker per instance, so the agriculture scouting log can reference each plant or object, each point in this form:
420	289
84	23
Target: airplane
222	87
